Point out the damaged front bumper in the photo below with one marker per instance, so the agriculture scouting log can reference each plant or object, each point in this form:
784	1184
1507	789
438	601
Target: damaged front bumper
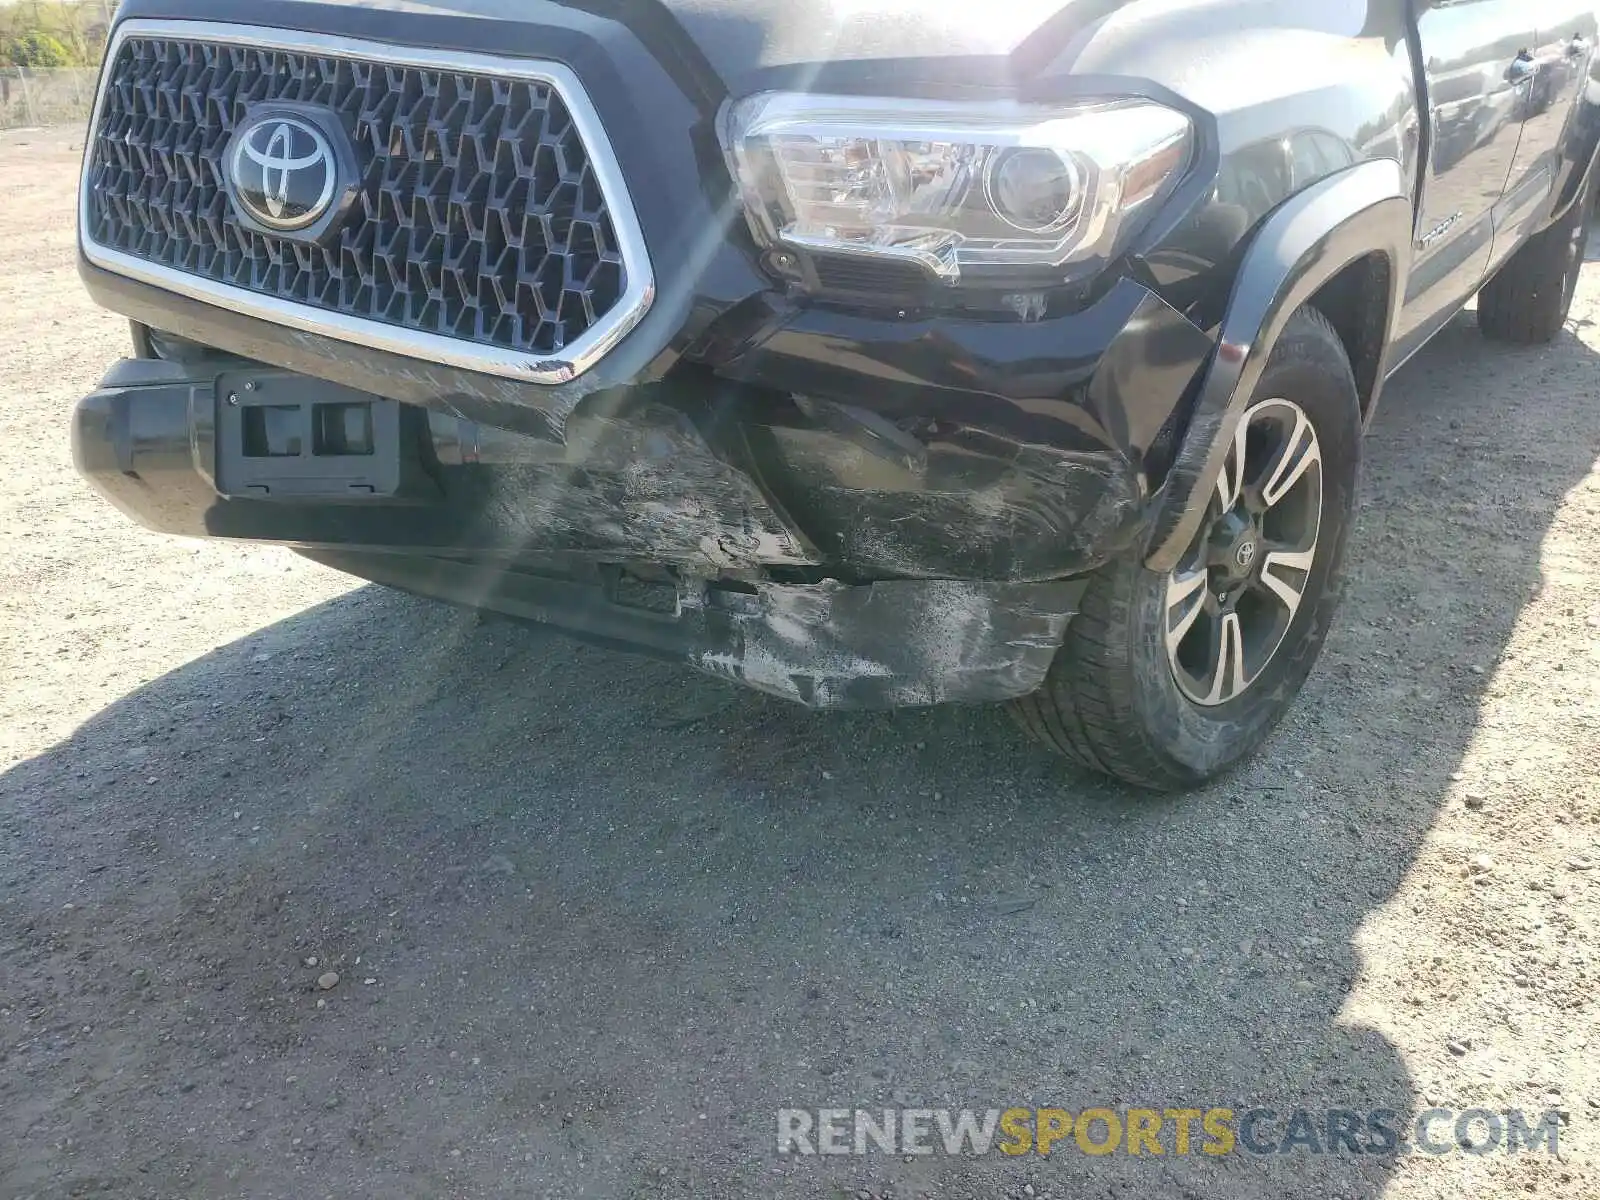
840	509
890	644
871	446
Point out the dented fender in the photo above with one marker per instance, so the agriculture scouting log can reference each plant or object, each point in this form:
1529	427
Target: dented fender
1309	239
936	446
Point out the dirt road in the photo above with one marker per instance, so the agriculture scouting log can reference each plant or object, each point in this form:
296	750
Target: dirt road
596	919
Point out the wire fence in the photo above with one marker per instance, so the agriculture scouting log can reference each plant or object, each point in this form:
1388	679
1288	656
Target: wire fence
32	96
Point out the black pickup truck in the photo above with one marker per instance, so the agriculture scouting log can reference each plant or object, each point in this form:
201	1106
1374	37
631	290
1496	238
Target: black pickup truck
870	353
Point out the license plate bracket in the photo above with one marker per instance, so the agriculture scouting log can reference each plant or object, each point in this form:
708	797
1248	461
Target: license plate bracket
289	437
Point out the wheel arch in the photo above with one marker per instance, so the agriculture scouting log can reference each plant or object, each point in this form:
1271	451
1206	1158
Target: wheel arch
1345	241
1358	302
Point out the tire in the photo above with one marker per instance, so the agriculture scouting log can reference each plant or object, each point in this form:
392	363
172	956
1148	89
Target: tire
1112	701
1526	301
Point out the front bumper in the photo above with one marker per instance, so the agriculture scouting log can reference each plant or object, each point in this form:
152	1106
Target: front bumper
147	439
467	533
874	446
831	553
463	534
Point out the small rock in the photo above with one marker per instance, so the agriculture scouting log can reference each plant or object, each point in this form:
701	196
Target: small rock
1474	800
311	960
369	980
1581	863
1458	1046
1475	669
1010	905
328	980
1481	864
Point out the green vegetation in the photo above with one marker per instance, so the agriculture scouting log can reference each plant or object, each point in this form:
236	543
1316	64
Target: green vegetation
54	33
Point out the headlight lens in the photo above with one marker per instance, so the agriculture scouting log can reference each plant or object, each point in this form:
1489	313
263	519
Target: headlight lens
966	190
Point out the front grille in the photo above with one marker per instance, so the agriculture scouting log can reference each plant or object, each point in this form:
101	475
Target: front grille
479	215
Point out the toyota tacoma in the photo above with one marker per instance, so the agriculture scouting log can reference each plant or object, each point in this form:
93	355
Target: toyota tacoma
880	353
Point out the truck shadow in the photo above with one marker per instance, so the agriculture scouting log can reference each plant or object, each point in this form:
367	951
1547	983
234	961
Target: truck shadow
614	915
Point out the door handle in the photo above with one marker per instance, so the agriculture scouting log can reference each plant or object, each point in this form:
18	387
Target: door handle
1521	69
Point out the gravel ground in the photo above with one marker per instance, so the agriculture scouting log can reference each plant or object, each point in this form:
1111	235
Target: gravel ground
595	918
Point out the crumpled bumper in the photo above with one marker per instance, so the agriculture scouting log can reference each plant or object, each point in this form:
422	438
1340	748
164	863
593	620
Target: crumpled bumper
841	510
646	490
890	644
875	447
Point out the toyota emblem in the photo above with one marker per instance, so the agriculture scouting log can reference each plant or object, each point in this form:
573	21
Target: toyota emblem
283	170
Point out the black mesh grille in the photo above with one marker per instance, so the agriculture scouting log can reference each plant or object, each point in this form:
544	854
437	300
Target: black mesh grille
479	215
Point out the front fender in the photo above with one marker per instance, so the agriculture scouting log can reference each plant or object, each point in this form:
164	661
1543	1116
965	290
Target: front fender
1309	239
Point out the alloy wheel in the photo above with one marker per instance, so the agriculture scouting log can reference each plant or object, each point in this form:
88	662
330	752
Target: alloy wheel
1232	598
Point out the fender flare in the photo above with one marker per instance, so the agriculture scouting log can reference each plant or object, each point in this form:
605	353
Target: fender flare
1365	209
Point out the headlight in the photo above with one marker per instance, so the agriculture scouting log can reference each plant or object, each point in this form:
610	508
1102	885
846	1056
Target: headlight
979	190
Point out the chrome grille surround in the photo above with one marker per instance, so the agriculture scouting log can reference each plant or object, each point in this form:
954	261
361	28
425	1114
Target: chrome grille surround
492	222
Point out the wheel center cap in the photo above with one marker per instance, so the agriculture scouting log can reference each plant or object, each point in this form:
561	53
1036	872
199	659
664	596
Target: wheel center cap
1235	546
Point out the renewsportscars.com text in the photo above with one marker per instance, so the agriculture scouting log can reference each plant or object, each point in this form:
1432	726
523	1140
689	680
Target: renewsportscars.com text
1134	1131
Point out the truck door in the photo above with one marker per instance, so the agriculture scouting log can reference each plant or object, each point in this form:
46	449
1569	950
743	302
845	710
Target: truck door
1548	86
1470	52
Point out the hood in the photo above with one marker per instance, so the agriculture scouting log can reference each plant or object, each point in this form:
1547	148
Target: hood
743	35
739	39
